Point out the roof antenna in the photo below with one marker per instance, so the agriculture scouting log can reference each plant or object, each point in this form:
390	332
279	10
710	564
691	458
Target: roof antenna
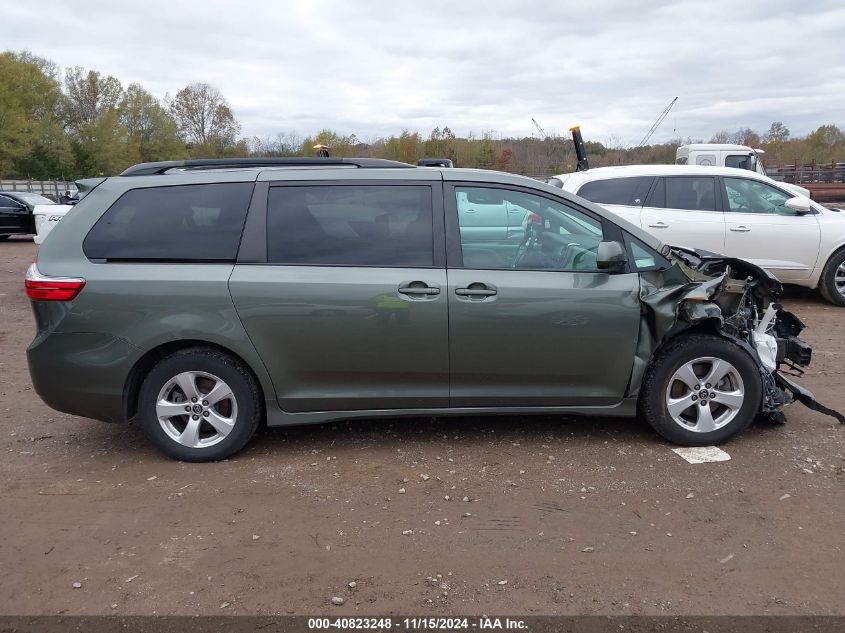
321	151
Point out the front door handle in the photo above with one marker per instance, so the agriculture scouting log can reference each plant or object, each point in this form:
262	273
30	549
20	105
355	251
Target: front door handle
740	229
659	225
477	291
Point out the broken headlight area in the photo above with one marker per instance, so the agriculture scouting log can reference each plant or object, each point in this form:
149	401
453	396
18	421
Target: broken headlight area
739	301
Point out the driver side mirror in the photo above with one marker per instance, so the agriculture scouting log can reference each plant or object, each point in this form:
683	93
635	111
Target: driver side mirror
799	204
611	257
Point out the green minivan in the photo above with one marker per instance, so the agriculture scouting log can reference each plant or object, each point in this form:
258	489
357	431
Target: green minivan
202	298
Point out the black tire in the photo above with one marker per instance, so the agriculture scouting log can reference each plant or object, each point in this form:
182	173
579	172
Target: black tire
827	282
4	237
246	400
653	402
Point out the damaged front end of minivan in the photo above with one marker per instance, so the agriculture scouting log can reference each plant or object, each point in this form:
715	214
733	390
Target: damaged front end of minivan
734	299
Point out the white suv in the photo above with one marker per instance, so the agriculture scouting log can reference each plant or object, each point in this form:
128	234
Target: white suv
734	212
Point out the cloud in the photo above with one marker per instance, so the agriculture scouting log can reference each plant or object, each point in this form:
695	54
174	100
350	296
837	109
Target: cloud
378	67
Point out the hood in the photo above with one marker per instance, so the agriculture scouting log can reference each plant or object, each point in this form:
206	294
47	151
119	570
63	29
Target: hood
798	191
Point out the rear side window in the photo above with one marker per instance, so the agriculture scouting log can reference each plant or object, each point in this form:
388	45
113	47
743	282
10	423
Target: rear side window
691	193
622	191
181	223
350	225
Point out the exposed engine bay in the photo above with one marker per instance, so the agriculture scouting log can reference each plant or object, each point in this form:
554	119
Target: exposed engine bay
736	300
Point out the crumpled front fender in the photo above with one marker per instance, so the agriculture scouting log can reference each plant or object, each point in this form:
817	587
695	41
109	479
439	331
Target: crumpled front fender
731	298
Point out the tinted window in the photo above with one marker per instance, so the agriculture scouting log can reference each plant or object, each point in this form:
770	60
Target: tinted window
738	161
691	193
555	235
350	225
752	196
8	203
657	197
623	191
180	223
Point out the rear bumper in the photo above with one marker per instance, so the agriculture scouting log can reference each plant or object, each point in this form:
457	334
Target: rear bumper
81	373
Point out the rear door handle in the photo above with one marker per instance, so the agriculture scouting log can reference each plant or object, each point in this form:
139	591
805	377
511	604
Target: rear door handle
659	225
740	229
418	288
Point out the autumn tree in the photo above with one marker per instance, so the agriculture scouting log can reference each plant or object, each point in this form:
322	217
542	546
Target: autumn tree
441	143
778	133
338	144
32	140
153	132
205	119
825	144
88	95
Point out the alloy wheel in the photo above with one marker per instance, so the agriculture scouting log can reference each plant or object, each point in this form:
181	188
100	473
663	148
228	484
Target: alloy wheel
705	394
196	409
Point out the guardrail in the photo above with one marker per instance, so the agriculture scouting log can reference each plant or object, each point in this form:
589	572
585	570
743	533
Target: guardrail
810	173
50	188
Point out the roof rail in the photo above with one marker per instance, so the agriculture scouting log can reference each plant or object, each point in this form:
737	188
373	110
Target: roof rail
162	167
435	162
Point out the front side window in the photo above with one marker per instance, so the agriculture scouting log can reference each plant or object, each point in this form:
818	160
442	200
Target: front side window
555	237
182	223
691	193
620	191
350	225
752	196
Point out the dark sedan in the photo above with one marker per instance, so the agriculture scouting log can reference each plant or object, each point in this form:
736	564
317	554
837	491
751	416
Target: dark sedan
16	212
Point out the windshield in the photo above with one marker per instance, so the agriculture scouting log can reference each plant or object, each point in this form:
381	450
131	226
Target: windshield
33	198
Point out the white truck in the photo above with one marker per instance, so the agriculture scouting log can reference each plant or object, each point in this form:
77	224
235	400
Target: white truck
728	155
46	217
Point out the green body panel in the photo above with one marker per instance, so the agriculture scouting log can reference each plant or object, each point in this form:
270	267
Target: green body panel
144	306
545	339
336	338
82	373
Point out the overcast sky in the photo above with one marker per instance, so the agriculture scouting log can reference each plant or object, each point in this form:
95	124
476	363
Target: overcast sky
375	68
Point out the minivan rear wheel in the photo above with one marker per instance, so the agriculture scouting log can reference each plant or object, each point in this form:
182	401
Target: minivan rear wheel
701	390
199	405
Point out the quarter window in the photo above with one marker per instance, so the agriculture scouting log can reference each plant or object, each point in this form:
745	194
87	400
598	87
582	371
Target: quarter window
691	193
350	225
621	191
752	196
555	236
179	223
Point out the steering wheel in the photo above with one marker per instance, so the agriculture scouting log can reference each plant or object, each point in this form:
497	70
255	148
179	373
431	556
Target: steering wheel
532	234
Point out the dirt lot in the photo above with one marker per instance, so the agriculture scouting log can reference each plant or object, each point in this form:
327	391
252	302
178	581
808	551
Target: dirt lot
577	516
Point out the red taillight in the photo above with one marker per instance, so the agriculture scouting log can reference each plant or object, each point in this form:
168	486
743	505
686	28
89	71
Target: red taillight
43	288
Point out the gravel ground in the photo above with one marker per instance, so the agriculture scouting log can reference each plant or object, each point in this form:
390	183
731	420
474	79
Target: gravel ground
527	515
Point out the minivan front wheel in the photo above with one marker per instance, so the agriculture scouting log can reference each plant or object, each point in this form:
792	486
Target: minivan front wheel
199	405
701	390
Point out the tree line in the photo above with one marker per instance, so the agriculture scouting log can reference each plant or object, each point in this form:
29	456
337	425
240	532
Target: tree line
71	123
